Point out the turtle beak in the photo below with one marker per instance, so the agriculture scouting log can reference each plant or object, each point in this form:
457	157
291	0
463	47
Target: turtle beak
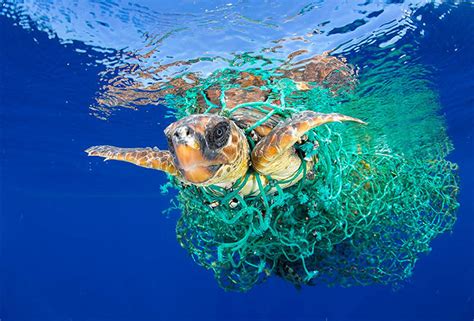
185	147
190	161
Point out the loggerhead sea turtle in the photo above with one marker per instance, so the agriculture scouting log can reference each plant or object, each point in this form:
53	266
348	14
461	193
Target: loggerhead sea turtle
211	149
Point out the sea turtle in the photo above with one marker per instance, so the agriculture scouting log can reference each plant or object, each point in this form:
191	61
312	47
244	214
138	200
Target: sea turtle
212	149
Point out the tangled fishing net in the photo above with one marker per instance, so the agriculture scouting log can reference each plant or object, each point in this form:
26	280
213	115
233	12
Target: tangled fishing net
380	193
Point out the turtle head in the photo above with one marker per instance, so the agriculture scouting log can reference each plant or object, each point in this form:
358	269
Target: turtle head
208	149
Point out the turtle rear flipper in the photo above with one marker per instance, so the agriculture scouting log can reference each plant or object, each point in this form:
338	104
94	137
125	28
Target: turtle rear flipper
145	157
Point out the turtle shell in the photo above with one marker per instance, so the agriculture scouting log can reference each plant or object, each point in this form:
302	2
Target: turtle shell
323	70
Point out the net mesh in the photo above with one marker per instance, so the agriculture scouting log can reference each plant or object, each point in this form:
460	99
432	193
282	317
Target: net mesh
378	195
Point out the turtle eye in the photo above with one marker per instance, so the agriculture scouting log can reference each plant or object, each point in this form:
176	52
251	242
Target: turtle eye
218	136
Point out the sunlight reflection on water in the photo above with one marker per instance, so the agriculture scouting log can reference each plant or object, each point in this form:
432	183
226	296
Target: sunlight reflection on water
184	31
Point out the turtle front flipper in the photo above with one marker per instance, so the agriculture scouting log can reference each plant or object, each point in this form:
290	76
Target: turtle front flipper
274	156
145	157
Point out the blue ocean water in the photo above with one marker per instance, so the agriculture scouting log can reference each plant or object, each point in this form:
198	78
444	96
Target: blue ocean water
86	240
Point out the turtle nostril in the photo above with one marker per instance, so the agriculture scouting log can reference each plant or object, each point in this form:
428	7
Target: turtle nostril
182	132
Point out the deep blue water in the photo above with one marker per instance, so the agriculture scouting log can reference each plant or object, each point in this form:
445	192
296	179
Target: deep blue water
86	241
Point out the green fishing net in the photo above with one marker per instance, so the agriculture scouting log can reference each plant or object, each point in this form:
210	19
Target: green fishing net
378	194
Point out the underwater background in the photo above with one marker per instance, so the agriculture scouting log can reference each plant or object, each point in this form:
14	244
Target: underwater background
86	240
